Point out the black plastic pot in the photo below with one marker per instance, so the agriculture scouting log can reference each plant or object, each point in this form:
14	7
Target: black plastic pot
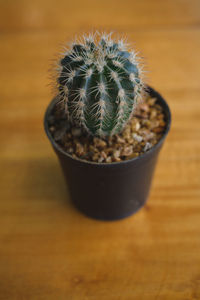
110	191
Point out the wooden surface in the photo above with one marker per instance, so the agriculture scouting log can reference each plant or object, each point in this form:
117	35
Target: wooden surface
48	250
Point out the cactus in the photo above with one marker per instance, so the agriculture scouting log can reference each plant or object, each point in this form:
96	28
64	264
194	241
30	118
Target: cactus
99	83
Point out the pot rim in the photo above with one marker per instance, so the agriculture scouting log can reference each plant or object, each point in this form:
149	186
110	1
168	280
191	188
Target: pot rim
152	92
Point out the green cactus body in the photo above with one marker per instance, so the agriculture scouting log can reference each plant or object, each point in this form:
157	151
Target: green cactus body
100	85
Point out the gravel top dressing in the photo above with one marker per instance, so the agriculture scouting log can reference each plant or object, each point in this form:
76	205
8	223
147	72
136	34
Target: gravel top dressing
142	132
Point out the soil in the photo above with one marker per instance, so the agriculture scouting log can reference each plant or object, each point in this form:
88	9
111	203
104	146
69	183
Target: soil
143	131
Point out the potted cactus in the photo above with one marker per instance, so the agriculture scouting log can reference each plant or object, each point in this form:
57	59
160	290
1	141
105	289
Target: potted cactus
106	126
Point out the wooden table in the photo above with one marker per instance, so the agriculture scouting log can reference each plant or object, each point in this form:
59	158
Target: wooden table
48	250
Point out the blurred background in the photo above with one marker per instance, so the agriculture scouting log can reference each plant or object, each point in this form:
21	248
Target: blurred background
48	250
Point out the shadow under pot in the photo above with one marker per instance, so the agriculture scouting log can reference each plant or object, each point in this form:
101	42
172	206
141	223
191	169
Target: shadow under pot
110	191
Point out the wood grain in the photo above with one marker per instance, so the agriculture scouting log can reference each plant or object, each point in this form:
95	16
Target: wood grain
48	250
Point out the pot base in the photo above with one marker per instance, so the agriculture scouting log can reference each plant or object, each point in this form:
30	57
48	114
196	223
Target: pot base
111	219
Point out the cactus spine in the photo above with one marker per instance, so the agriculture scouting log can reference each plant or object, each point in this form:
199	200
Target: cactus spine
99	82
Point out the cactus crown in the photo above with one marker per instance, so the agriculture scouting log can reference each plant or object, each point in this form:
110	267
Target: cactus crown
99	83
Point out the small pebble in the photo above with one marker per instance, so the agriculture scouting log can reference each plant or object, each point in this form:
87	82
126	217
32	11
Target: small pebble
144	107
137	126
157	129
52	129
79	149
70	150
127	151
151	101
162	123
101	159
147	146
109	159
133	155
153	114
149	135
95	157
99	142
137	137
116	154
59	134
103	154
120	140
76	132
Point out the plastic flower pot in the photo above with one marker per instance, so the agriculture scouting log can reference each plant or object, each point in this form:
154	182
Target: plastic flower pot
110	191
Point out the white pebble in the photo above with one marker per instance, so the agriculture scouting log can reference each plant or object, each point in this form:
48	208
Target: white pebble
137	137
137	126
147	146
